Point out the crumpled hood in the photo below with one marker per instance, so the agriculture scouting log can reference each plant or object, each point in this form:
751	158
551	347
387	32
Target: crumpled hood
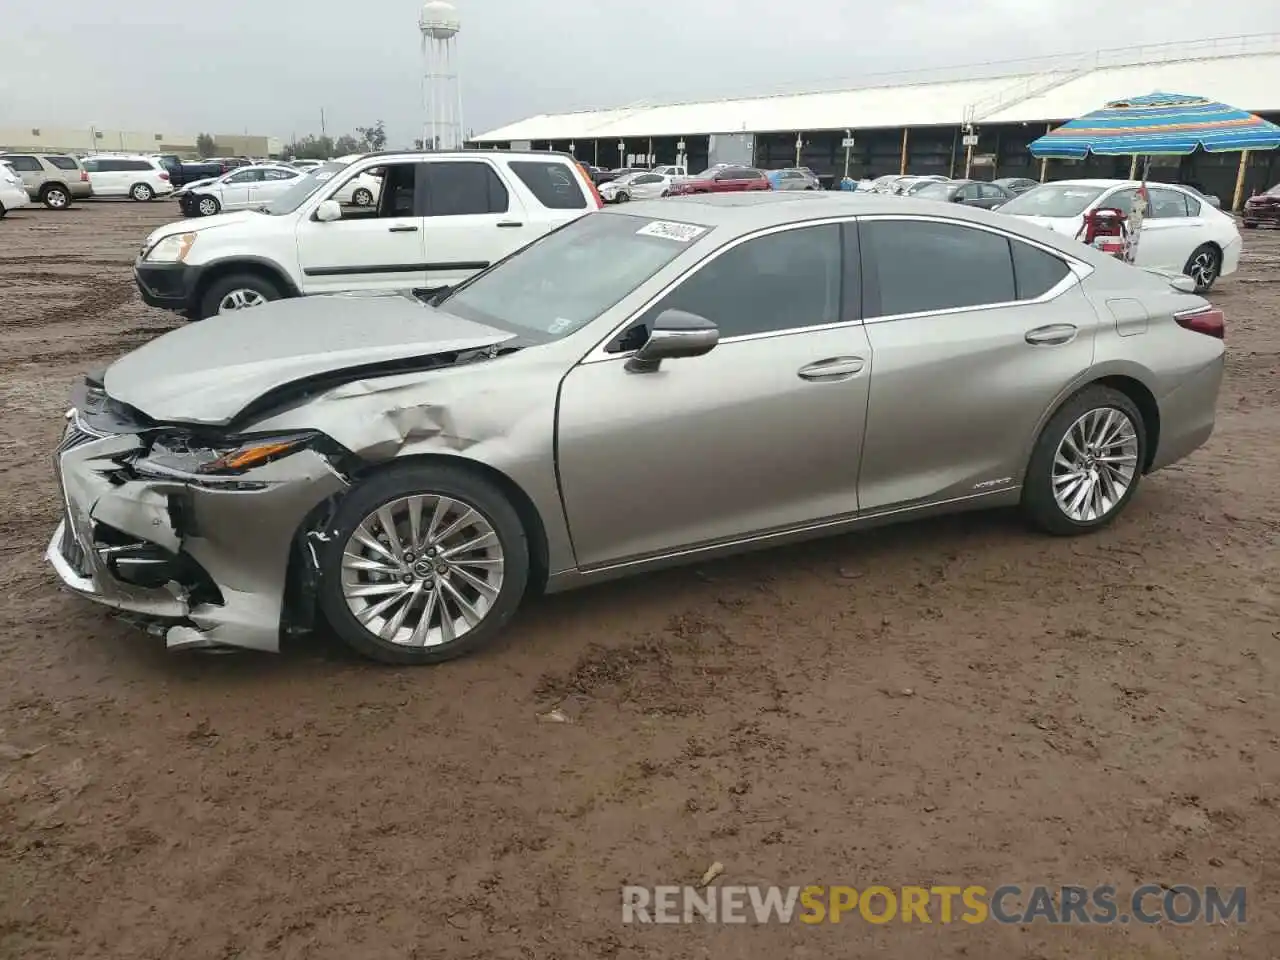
209	371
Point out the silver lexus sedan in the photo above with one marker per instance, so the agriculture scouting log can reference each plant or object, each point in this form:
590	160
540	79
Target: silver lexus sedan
649	386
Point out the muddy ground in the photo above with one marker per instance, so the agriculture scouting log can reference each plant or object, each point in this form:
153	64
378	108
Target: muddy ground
948	702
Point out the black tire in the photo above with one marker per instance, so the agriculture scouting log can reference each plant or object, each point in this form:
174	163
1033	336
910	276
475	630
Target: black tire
141	192
363	197
409	479
206	205
55	196
1207	260
1250	226
1038	502
623	196
212	298
666	193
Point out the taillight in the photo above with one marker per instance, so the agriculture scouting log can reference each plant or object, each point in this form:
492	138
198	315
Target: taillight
1210	321
164	176
84	175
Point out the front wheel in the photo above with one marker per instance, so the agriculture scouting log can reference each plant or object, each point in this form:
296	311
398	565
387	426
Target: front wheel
238	291
425	563
1087	463
1203	266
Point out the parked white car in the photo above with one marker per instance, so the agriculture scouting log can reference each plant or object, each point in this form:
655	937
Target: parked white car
245	188
13	193
127	175
1181	232
361	191
440	218
636	186
671	170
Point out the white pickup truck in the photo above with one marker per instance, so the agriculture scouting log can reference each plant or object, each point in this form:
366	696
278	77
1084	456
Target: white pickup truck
438	218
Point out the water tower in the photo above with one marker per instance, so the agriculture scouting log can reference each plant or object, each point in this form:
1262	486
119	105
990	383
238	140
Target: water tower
439	25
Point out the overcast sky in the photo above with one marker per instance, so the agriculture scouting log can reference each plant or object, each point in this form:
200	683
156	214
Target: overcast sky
269	66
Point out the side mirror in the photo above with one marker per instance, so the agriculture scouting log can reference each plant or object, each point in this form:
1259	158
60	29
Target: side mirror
328	211
675	334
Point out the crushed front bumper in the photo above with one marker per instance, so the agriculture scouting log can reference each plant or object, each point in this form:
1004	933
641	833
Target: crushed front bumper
206	559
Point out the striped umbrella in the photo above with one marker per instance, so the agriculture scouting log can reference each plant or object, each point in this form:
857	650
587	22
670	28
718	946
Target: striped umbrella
1159	124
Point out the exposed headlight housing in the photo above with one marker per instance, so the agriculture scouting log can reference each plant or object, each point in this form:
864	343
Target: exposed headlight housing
171	249
183	454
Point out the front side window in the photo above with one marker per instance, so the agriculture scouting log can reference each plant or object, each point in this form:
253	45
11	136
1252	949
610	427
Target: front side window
778	282
991	192
918	266
458	188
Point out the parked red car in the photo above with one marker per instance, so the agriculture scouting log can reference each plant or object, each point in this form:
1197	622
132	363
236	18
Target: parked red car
1263	208
722	180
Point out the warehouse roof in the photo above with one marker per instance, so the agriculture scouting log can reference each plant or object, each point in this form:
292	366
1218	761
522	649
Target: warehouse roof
1067	88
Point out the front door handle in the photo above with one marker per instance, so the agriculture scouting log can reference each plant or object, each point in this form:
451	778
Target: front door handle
509	223
1055	334
833	368
402	229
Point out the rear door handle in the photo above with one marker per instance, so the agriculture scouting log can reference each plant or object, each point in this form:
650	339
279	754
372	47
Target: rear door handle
1055	334
833	368
510	223
402	229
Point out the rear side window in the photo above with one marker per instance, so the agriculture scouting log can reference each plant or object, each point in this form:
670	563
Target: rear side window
62	163
1036	271
458	188
917	266
136	165
24	164
552	183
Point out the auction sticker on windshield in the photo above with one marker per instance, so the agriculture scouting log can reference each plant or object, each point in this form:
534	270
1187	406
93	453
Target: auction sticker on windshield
670	230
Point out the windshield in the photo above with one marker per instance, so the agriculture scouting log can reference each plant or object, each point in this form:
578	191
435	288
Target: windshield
1053	200
568	278
297	195
933	191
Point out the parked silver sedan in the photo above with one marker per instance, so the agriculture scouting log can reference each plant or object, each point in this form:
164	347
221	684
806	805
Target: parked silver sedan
651	385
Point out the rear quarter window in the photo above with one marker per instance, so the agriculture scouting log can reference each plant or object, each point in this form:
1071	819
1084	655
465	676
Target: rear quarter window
553	184
63	163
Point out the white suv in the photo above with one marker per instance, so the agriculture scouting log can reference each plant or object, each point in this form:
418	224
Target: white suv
439	219
136	177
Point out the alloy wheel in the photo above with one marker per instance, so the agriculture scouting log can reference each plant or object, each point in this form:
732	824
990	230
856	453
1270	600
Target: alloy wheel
422	570
1203	268
1095	464
55	198
241	299
142	192
208	207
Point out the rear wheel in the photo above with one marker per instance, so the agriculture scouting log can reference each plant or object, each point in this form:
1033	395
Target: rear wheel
623	196
1087	463
237	291
1203	266
425	563
55	197
1250	226
362	198
142	192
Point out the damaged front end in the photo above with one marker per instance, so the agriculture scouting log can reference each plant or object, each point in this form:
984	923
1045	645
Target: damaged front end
198	533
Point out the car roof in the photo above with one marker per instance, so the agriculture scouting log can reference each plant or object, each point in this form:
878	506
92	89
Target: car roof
1108	184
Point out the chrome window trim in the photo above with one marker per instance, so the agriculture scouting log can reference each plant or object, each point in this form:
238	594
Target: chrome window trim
597	353
1077	271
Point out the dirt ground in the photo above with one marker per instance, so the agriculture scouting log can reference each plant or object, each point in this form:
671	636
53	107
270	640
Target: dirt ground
948	702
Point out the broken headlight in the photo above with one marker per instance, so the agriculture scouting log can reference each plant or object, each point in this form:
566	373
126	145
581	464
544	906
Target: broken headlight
183	453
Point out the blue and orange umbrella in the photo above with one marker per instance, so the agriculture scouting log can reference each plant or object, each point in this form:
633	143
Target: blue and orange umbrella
1158	124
